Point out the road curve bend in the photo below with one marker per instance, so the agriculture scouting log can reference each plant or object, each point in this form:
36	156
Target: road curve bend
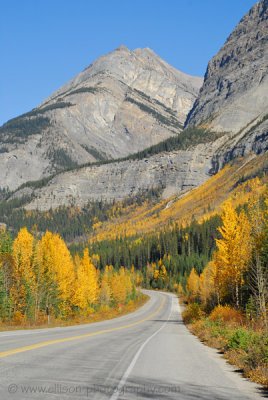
148	354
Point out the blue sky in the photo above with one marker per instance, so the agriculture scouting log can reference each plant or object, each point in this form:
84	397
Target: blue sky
44	43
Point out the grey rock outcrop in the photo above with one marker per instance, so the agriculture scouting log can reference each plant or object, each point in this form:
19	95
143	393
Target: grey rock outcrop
234	96
122	103
172	173
235	89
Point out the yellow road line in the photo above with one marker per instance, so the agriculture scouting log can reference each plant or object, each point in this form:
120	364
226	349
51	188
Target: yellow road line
71	338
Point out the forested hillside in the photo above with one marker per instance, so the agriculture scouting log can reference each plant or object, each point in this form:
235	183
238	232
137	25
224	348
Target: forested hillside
200	203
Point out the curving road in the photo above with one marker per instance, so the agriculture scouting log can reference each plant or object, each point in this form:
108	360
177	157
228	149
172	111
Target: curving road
148	354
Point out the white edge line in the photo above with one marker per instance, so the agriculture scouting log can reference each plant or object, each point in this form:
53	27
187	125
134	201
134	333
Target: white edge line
124	378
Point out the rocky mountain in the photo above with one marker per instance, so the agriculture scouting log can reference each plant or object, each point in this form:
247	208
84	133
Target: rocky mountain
228	119
122	103
234	96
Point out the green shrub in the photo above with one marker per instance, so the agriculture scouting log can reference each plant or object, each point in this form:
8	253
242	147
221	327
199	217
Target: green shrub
249	341
257	351
240	339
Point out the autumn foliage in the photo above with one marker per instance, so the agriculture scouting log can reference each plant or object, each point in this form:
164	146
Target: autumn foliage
39	278
226	314
228	301
237	273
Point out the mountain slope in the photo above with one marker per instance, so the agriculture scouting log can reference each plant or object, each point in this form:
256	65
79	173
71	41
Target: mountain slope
234	96
122	103
233	181
171	172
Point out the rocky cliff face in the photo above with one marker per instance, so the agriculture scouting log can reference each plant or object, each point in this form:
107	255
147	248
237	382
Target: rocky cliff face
121	104
234	96
172	173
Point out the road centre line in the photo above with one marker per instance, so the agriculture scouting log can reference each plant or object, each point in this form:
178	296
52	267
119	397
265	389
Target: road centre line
39	345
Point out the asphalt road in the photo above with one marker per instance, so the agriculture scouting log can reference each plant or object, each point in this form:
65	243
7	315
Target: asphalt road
148	354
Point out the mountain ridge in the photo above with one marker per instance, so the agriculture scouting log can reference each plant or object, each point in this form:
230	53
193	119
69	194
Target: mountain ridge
193	159
122	103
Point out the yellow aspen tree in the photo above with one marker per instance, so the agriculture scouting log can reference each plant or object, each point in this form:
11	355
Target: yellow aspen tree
64	273
23	278
234	248
86	284
58	272
208	283
121	285
192	285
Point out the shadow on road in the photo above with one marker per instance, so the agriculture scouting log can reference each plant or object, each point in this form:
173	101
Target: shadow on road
169	321
263	392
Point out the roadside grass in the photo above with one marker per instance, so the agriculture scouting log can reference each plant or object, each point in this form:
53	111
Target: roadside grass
242	342
102	314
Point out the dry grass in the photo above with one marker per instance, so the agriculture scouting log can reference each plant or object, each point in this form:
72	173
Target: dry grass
242	345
